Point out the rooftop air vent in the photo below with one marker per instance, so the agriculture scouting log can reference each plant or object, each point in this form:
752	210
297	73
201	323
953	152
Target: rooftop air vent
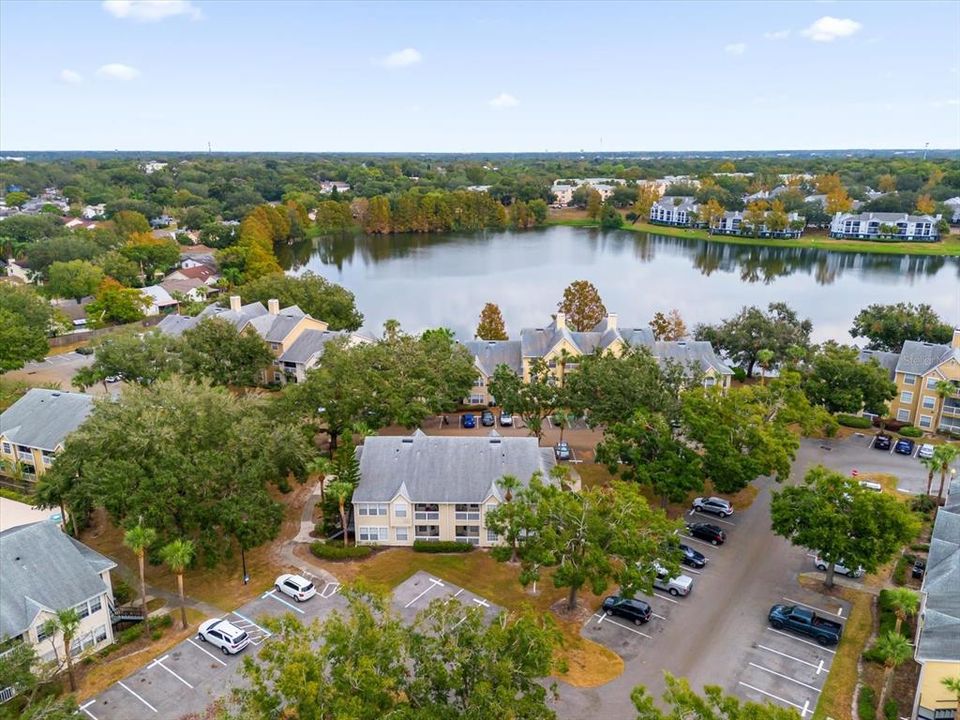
408	441
495	441
56	394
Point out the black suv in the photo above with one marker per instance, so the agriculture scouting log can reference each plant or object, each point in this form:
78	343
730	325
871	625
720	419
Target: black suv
881	442
636	611
705	531
691	557
486	419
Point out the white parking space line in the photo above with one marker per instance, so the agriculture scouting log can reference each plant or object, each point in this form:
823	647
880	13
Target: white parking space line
802	708
246	619
690	569
702	542
818	668
801	640
159	663
85	706
124	686
481	601
205	652
435	582
659	617
838	613
327	592
272	594
457	593
625	627
785	677
665	597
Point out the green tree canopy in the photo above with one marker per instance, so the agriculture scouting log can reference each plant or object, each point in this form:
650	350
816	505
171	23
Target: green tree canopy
533	401
26	320
116	304
138	359
214	350
682	702
838	381
582	305
843	522
887	327
316	296
73	279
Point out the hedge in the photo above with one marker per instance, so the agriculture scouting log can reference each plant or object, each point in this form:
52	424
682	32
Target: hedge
14	495
443	546
854	421
911	432
866	704
327	551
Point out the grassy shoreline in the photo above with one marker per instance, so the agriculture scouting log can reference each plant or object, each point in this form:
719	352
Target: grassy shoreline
949	247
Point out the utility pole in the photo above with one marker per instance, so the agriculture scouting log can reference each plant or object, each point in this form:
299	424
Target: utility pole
925	146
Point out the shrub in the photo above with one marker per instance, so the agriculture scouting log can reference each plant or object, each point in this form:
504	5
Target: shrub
739	374
14	495
925	505
443	546
889	423
329	551
890	709
283	485
122	592
900	571
156	634
130	634
854	421
911	432
164	621
921	547
866	704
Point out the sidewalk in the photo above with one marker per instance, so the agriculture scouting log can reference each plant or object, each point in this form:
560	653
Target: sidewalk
303	538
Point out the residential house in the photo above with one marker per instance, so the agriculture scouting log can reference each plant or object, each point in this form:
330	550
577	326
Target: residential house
918	371
954	205
731	223
152	166
432	488
206	274
34	429
160	301
560	347
195	257
937	644
562	195
874	225
478	188
44	570
161	221
328	186
674	210
192	289
488	355
94	212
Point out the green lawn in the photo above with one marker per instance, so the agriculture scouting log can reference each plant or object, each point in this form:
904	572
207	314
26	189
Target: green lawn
950	246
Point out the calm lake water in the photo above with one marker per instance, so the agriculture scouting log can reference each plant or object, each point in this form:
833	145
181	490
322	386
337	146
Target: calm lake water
430	281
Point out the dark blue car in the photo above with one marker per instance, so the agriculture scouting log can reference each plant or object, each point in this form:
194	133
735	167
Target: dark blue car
904	446
468	420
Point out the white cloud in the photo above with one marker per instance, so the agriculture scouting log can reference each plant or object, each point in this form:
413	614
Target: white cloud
402	58
70	77
118	71
151	10
504	100
735	48
828	29
777	35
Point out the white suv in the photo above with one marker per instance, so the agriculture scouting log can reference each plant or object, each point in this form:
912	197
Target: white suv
715	505
839	567
679	585
222	634
299	588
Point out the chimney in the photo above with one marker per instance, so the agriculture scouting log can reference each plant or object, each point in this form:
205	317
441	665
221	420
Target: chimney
955	343
273	306
612	321
235	303
560	321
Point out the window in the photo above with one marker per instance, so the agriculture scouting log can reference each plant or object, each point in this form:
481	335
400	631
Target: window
95	605
41	635
931	383
427	532
468	533
7	448
466	511
903	415
372	534
491	507
479	382
925	421
929	402
426	511
100	634
492	536
83	609
372	509
909	379
400	510
401	534
906	397
709	381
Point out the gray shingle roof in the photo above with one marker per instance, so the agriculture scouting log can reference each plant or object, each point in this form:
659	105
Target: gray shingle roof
310	344
42	567
940	633
488	354
919	357
445	469
43	418
885	217
698	353
686	203
176	324
887	360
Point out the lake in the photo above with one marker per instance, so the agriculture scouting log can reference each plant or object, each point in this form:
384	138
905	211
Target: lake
444	280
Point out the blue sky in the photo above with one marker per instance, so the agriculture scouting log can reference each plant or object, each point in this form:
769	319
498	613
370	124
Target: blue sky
489	76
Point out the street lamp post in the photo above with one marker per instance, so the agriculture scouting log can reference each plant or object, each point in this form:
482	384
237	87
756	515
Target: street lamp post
243	560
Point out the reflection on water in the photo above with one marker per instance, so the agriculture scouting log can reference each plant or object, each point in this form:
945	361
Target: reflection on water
401	276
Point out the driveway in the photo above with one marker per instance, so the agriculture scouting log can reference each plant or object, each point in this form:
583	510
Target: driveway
58	369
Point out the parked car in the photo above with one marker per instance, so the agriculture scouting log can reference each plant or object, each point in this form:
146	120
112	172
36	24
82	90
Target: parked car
679	585
112	378
705	531
562	450
839	567
691	557
85	350
881	442
297	587
468	420
904	446
506	419
224	635
715	505
925	451
637	611
805	622
487	419
871	486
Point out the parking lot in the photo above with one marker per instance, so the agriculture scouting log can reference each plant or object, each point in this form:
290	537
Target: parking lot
420	589
193	674
857	453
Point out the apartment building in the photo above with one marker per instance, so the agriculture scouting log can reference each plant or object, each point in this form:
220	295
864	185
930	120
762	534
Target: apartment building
874	225
674	210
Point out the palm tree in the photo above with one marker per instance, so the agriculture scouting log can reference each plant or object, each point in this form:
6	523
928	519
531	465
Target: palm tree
139	539
904	602
66	622
895	650
931	465
563	418
342	491
765	361
952	684
944	455
944	389
323	467
178	555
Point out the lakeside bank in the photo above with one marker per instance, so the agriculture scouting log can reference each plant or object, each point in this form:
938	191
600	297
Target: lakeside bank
949	247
